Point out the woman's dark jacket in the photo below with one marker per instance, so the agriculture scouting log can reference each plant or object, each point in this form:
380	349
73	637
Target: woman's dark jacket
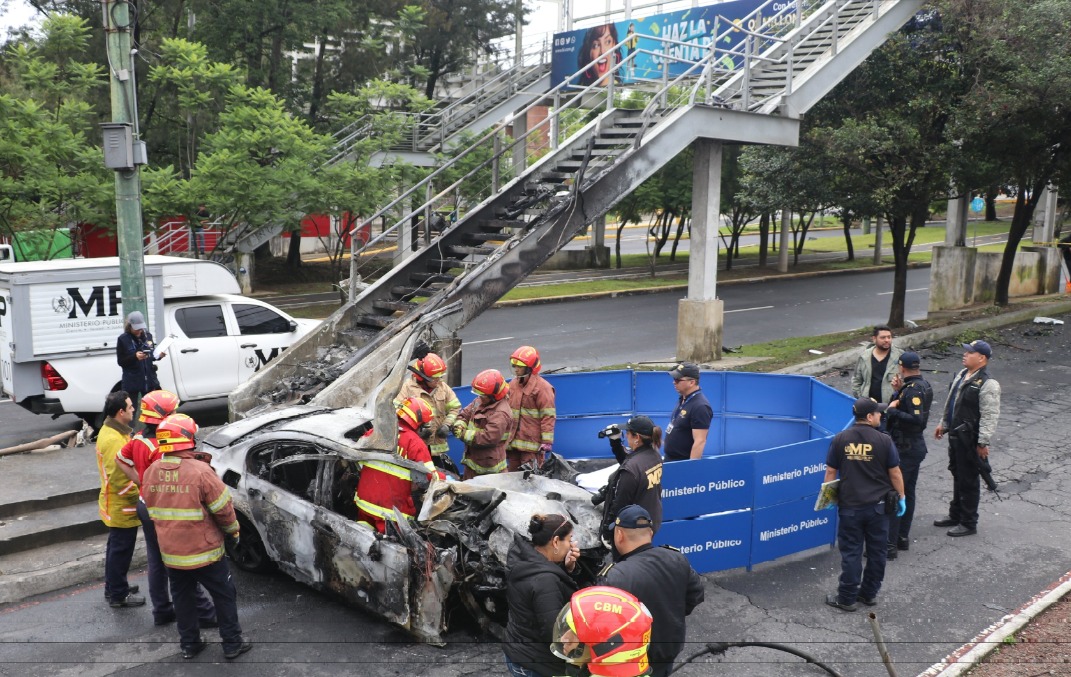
139	376
536	590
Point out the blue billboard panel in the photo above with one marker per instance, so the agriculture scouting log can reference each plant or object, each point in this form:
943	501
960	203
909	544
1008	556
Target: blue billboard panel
790	527
707	485
648	46
712	543
787	473
597	392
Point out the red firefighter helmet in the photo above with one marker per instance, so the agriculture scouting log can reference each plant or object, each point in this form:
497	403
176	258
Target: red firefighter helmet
431	366
176	433
415	412
156	405
490	382
606	629
526	356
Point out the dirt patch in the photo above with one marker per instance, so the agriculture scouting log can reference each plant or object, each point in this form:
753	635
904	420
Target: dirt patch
1041	648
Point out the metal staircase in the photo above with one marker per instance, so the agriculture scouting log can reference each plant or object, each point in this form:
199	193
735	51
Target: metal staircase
536	191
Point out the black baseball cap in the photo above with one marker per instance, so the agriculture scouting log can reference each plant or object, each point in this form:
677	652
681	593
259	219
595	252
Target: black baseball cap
864	406
685	370
641	425
634	517
910	360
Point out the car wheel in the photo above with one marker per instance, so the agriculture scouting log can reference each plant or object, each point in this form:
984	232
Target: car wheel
249	554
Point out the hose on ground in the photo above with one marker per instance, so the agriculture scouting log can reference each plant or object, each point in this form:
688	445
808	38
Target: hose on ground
715	648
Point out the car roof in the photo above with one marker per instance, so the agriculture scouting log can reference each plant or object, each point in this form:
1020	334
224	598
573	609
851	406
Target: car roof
337	424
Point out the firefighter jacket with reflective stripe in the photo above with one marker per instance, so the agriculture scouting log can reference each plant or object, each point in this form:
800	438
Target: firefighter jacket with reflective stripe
444	405
487	430
383	487
191	509
532	403
139	453
118	501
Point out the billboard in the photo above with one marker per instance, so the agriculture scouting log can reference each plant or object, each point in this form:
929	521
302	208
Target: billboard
644	52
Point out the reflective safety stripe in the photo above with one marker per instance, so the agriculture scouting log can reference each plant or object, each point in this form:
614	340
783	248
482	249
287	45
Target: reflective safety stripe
130	510
390	469
547	437
484	470
430	466
231	528
535	413
524	445
378	510
127	488
221	502
439	449
189	561
176	514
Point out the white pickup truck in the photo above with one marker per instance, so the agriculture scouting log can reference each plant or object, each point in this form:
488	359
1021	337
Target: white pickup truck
59	321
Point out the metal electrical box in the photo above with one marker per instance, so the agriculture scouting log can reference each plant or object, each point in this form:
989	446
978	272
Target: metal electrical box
118	145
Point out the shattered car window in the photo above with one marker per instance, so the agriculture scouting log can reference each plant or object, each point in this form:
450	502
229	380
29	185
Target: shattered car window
298	478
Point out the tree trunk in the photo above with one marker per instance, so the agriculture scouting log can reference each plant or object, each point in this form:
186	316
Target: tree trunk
764	235
617	245
1024	213
848	236
317	81
681	223
897	227
991	204
293	253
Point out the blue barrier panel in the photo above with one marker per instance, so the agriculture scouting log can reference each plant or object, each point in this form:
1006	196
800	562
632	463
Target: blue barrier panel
831	410
596	392
655	392
753	434
711	543
781	395
465	394
790	527
579	437
707	485
790	472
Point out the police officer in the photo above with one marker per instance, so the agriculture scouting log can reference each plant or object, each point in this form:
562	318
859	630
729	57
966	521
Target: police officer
869	467
660	577
970	419
906	420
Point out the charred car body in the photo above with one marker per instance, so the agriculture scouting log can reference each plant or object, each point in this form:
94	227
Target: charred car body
293	474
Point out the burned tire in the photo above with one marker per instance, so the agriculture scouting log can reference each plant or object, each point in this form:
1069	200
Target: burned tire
250	554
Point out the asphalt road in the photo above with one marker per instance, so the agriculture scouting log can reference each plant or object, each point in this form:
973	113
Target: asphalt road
936	596
637	329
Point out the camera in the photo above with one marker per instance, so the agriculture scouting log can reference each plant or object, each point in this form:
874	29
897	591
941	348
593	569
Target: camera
608	431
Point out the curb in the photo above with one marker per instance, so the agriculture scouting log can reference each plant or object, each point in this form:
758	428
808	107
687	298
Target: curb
920	339
684	287
984	643
18	587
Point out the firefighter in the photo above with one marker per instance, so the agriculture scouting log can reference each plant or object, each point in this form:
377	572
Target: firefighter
484	426
193	514
428	384
606	629
531	399
133	459
384	486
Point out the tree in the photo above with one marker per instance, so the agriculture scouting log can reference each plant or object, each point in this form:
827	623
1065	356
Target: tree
1016	110
51	173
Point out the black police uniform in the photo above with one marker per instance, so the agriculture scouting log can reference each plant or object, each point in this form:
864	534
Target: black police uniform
906	425
638	481
662	579
963	461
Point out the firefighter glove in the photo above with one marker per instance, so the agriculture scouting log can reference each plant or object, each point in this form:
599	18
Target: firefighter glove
443	431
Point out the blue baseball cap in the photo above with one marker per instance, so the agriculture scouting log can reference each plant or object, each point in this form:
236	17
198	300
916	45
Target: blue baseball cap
633	517
980	347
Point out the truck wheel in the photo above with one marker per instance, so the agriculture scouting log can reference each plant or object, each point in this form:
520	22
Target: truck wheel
249	554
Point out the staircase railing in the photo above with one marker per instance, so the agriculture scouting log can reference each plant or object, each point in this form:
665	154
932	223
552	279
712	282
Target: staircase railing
493	153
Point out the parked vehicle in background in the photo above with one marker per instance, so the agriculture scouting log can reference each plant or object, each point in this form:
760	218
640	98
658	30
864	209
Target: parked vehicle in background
59	321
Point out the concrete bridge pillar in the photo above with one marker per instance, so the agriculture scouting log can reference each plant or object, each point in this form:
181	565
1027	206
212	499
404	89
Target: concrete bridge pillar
700	316
956	225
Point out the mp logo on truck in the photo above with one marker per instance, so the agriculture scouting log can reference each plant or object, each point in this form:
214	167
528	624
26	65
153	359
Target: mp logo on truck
258	359
78	317
72	302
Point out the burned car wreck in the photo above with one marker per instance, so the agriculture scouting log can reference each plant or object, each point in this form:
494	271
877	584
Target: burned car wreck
292	474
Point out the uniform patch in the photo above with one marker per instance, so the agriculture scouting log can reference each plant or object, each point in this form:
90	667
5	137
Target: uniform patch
916	401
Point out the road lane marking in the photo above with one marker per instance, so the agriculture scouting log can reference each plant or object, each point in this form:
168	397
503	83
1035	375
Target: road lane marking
504	338
744	310
887	293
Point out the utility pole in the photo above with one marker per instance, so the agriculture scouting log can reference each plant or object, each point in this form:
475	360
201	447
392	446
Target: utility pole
124	153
